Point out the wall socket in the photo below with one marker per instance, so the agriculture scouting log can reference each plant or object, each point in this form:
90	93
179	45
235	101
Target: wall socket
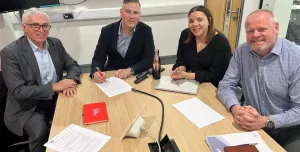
68	16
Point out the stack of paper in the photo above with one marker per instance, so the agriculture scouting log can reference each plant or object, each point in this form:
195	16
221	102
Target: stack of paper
218	143
77	139
114	86
198	112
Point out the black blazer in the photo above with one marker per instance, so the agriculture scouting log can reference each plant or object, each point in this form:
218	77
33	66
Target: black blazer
139	55
210	64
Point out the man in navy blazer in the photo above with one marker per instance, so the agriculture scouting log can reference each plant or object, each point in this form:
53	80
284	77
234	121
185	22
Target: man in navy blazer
126	46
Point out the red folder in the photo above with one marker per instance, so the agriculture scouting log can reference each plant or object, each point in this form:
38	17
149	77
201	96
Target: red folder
94	112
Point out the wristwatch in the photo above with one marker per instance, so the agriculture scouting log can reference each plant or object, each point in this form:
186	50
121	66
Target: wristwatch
131	71
269	123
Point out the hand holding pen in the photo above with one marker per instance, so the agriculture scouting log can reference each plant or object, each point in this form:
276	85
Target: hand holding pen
99	77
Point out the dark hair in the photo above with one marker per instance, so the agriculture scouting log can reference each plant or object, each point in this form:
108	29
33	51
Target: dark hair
131	1
211	28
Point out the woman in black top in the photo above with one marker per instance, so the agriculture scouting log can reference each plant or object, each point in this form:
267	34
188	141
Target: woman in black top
203	52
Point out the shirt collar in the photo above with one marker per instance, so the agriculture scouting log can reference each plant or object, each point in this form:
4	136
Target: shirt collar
36	48
277	47
120	29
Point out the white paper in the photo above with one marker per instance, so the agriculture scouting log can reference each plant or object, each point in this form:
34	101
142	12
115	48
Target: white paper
244	138
77	139
114	86
198	112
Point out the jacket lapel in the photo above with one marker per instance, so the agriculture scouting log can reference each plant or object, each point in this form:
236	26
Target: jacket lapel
134	38
115	36
30	57
54	56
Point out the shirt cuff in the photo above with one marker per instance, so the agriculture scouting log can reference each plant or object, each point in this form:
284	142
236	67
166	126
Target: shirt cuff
279	121
93	75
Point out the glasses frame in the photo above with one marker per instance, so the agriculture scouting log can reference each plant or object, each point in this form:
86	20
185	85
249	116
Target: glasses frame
44	26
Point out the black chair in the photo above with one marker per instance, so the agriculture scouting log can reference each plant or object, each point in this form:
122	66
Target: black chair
8	141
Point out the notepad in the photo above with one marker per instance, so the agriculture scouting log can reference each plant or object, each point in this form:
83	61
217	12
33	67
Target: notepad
182	86
114	86
94	112
219	142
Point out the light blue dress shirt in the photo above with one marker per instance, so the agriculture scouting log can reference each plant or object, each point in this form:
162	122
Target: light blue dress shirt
123	42
46	67
271	84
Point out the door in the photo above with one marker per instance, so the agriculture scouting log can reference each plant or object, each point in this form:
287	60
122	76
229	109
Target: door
227	17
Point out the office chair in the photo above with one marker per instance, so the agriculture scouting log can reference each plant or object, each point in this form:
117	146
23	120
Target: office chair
8	141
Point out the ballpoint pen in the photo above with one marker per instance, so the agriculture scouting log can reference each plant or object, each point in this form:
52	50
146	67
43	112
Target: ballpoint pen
99	71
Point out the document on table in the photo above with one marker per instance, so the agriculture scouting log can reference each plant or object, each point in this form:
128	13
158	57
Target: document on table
198	112
114	86
77	139
218	142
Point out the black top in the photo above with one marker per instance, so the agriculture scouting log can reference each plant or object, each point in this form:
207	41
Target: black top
210	64
139	55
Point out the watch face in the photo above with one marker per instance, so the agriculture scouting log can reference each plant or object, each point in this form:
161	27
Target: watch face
270	124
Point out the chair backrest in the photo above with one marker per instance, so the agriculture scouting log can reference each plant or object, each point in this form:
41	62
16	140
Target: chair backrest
3	94
8	140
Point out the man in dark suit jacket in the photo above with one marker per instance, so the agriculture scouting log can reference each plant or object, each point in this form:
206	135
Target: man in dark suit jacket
126	46
32	69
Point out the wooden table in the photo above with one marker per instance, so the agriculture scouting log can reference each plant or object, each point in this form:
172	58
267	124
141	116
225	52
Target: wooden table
123	108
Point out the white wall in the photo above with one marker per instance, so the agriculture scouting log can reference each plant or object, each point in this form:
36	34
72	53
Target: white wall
80	38
249	6
282	10
6	31
166	17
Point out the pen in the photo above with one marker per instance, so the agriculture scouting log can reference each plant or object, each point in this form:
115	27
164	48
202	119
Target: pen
99	71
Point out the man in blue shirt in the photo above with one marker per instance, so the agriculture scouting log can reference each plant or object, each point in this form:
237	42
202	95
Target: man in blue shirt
268	69
32	69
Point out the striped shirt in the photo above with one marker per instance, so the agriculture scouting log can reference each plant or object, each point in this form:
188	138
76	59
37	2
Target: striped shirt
270	84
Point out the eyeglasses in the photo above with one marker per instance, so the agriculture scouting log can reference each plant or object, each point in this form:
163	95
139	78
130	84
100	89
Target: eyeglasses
36	26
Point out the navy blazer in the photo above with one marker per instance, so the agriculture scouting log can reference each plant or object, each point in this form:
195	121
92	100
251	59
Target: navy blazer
139	55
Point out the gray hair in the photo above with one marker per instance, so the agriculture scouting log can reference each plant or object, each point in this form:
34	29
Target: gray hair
274	19
33	12
131	1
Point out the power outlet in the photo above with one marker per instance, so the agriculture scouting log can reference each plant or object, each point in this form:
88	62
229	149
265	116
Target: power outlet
68	16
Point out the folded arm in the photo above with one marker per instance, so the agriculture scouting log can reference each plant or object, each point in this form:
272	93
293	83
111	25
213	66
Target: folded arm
227	87
17	85
290	117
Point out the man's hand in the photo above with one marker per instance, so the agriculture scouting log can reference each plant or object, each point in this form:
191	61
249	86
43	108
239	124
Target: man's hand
123	73
63	84
70	92
248	118
98	78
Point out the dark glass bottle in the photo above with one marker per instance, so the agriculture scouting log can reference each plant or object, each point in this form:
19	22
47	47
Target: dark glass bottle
156	66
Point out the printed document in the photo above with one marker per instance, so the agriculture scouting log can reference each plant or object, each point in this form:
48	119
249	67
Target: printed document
114	86
77	139
198	112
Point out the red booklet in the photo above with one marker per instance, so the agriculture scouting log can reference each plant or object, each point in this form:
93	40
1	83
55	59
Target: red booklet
94	112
